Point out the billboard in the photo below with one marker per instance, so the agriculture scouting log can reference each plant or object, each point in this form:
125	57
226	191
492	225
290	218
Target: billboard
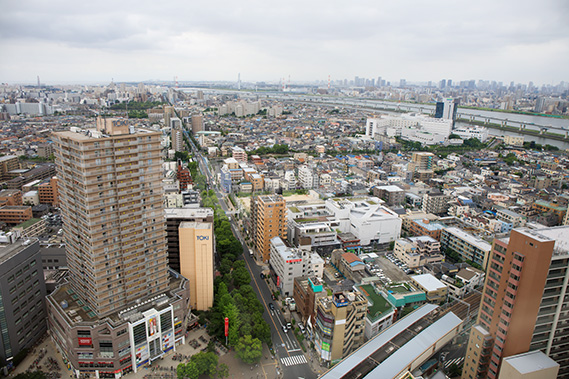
142	355
152	326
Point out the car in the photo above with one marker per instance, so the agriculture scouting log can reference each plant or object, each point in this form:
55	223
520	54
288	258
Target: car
272	306
285	328
262	276
288	325
273	296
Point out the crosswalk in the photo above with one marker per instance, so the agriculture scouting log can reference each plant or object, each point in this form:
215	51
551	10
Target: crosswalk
458	361
294	360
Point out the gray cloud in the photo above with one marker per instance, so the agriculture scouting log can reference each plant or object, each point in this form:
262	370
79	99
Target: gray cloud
418	40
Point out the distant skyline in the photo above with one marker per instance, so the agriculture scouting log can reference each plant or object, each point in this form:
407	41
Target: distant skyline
79	42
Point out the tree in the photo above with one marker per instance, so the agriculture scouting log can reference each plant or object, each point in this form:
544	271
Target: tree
223	371
205	362
249	349
240	276
188	370
261	330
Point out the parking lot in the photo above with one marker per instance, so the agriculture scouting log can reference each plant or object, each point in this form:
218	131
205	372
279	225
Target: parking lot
391	269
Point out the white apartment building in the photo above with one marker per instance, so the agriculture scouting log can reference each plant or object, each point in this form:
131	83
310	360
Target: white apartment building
307	178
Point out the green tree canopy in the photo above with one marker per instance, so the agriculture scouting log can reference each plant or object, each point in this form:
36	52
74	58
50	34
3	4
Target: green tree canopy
249	349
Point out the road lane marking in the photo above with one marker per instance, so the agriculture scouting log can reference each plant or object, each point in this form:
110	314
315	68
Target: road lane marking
264	302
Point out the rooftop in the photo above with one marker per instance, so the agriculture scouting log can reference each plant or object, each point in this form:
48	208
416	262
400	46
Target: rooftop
8	251
428	282
474	241
28	223
532	361
379	305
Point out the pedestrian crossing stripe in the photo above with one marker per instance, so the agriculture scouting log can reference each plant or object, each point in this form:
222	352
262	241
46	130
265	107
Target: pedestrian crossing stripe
294	360
456	360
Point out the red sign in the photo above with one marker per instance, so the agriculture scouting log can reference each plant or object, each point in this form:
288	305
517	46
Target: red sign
278	281
226	326
294	260
85	341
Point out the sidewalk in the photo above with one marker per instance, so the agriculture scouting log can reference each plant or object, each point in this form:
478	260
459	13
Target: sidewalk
163	368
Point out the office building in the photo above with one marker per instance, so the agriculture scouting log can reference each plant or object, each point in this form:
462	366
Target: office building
268	214
524	302
120	309
447	109
22	293
196	262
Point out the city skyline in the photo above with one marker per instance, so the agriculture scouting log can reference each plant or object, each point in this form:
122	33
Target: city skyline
68	42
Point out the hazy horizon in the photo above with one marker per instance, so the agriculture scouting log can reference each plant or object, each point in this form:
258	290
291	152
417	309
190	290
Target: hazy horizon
134	41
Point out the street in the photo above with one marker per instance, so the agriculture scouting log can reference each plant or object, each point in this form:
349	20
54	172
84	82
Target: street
286	347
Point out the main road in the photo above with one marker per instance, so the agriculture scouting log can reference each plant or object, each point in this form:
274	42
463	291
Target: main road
287	349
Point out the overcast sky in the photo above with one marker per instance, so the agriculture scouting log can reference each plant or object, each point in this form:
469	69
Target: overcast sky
419	40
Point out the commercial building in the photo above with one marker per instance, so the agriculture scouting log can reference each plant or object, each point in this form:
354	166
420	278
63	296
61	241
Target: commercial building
524	302
22	293
306	290
196	261
268	214
339	325
120	308
365	218
468	247
174	217
290	263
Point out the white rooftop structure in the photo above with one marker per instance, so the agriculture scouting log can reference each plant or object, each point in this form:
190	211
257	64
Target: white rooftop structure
429	282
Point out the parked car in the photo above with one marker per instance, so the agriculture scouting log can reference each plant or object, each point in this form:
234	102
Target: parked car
271	305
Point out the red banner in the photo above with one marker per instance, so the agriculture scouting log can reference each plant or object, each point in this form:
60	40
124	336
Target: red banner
226	326
85	341
278	281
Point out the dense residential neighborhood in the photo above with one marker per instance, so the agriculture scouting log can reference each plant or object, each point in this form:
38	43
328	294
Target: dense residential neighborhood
332	238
